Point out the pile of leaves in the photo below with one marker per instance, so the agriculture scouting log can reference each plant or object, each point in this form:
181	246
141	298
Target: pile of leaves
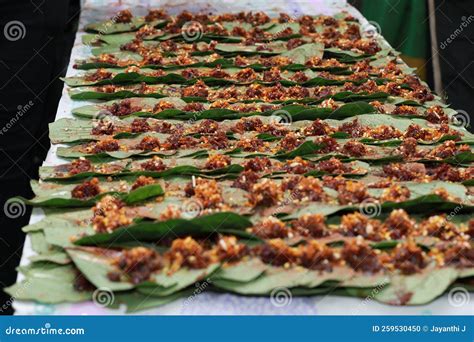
250	153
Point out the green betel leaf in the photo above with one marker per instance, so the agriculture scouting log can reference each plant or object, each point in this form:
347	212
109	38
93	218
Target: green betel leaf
109	27
71	152
48	285
47	173
343	112
136	301
417	289
60	236
134	77
57	257
225	222
95	267
38	242
416	205
263	285
308	147
366	280
463	159
274	48
163	284
143	193
60	196
243	271
275	277
59	219
70	130
95	111
303	53
121	77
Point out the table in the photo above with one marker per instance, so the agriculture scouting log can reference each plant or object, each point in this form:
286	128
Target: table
212	303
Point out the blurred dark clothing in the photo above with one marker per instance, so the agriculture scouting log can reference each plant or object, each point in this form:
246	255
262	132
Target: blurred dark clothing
455	34
36	38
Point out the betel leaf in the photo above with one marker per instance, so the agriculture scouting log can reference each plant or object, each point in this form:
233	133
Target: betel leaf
297	112
460	159
308	147
132	78
163	284
134	196
303	53
38	242
417	289
136	301
108	27
89	93
224	222
48	284
96	266
131	59
94	111
421	204
59	218
172	78
71	152
345	111
58	235
178	171
418	189
362	169
276	277
243	271
274	48
54	256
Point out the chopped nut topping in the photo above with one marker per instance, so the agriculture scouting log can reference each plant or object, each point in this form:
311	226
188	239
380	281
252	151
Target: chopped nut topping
139	263
409	258
87	189
271	228
142	181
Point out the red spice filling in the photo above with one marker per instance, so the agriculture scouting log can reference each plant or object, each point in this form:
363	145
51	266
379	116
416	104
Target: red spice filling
87	189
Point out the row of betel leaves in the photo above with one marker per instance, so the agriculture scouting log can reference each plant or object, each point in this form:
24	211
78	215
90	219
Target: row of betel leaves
250	278
58	258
